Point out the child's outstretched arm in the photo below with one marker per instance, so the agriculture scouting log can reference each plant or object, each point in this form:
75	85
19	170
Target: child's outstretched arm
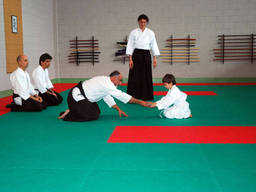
150	104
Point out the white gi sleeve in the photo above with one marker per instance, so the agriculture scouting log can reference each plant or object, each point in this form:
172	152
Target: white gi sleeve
154	46
49	84
109	100
38	78
130	44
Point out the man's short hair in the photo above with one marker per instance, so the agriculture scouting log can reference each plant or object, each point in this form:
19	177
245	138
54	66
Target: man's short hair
114	73
143	16
19	58
168	78
44	57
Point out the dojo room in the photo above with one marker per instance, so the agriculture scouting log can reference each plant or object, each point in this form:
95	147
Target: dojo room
127	95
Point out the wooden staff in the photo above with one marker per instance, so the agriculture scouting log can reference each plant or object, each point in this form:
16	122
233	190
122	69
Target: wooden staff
83	46
83	62
83	56
179	54
180	57
231	42
234	49
185	45
84	49
185	39
180	61
185	48
85	52
82	40
235	45
233	52
235	56
235	35
89	44
174	43
231	59
237	39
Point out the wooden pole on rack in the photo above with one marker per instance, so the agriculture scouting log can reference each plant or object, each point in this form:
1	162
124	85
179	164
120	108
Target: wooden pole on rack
77	54
223	48
93	50
252	45
188	48
171	49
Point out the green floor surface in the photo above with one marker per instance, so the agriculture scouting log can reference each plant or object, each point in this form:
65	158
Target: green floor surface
41	153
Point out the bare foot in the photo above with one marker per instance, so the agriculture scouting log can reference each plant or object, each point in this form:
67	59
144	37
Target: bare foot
190	115
64	114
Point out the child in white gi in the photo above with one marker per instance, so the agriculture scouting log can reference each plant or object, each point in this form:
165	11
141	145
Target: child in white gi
173	105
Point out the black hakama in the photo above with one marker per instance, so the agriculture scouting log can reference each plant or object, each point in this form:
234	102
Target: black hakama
82	110
140	83
29	105
50	99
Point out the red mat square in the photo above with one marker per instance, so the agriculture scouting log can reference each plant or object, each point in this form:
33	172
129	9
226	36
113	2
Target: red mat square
184	134
3	102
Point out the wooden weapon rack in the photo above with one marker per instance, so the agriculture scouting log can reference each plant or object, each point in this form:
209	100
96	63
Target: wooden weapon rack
84	51
120	55
235	48
180	50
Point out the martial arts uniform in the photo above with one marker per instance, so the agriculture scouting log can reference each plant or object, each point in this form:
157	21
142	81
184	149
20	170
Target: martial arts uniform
82	99
174	104
139	45
22	90
42	83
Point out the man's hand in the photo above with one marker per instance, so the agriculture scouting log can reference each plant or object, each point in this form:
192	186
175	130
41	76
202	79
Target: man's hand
130	62
122	113
119	111
50	91
154	62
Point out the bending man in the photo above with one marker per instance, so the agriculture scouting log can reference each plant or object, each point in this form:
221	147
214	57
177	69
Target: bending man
83	97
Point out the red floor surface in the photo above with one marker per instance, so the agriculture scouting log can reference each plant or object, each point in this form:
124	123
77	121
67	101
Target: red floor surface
3	102
184	134
188	92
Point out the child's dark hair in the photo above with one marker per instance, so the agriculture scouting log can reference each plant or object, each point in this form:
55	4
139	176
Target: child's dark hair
169	78
44	57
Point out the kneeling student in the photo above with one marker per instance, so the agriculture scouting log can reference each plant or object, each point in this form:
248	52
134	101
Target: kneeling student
173	105
43	84
25	98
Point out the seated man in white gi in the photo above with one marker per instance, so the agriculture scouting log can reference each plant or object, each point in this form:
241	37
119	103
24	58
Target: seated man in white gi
83	97
25	97
43	84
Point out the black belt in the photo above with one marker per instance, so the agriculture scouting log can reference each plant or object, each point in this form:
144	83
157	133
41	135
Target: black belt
141	51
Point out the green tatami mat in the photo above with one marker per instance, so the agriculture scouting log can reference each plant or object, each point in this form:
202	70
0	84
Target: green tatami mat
41	153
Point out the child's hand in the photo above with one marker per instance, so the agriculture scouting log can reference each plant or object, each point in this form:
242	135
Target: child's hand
150	104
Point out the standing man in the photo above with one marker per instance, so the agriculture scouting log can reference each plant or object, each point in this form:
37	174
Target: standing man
82	99
43	84
25	97
140	42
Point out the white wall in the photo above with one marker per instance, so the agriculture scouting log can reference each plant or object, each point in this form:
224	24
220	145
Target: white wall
39	32
109	21
39	36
